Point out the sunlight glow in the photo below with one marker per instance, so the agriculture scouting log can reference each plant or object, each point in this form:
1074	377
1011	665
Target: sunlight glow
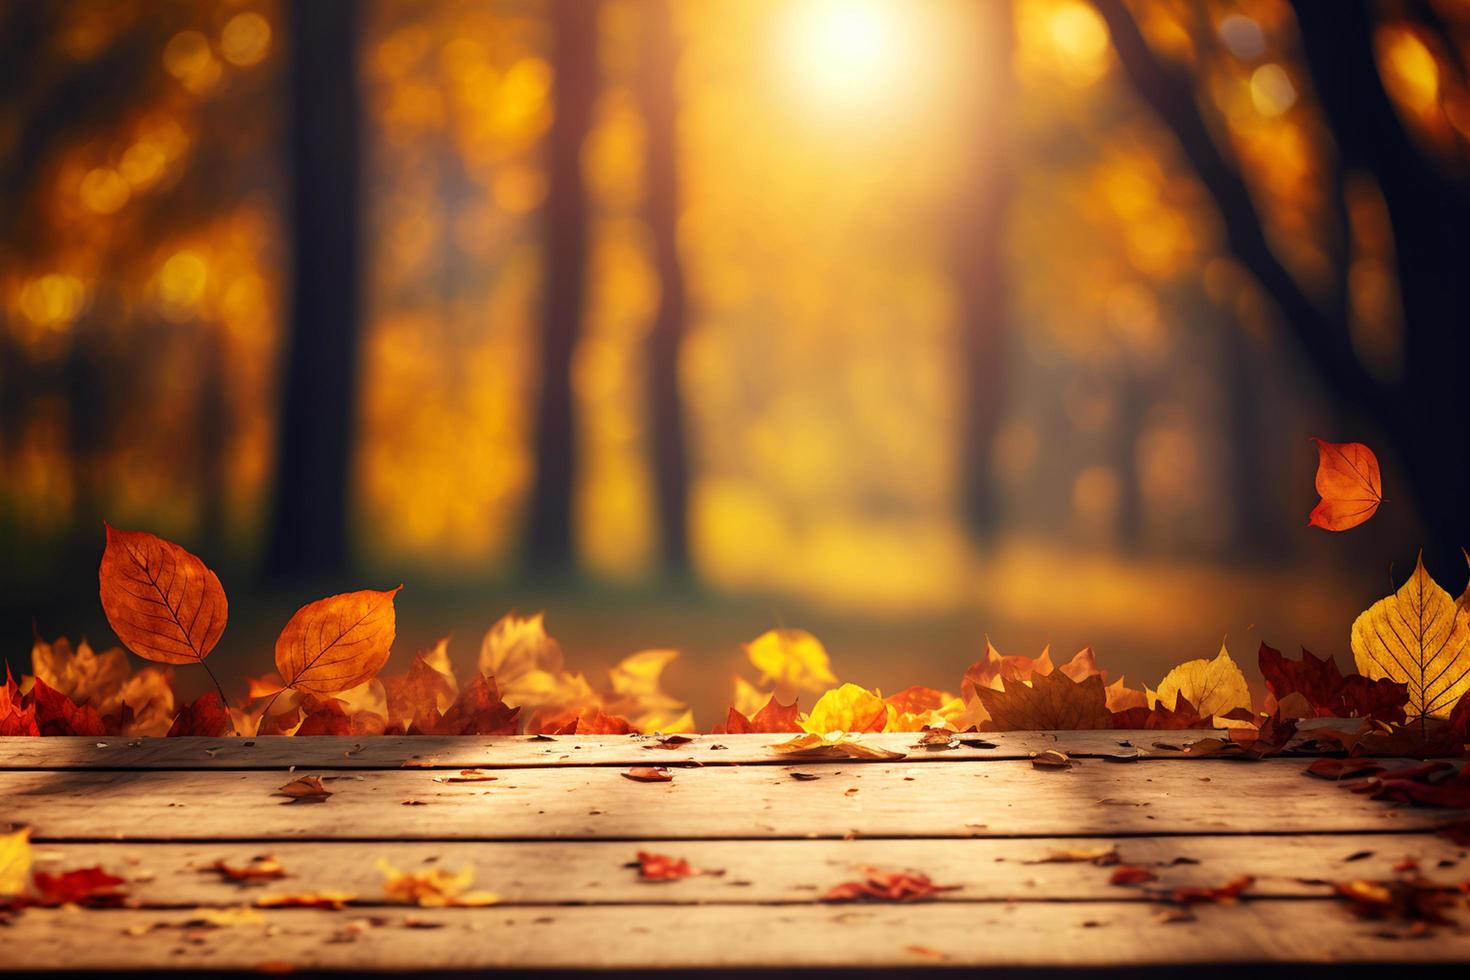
845	53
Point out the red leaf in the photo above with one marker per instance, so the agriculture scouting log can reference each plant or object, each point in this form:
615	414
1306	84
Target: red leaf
775	717
17	716
1131	874
85	886
57	714
1329	693
662	867
886	886
1161	719
479	710
206	716
324	716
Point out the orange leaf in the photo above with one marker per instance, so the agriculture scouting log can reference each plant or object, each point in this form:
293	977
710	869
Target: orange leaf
1349	484
162	602
1052	702
206	716
337	643
85	886
662	867
887	886
648	774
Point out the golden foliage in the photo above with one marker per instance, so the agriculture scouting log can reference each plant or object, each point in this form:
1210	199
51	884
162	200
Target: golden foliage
1214	687
1420	637
791	659
848	708
15	862
434	888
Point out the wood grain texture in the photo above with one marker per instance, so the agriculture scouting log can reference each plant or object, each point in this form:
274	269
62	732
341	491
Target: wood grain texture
901	799
519	751
597	872
1029	934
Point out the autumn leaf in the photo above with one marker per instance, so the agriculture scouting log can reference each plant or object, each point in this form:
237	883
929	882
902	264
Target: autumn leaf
832	746
887	886
56	714
129	703
1327	692
15	863
1419	637
1214	687
434	888
307	789
479	710
337	643
1131	874
774	717
648	774
792	659
262	867
1348	483
662	867
1102	855
324	716
326	898
207	715
17	713
1051	702
849	708
162	602
84	886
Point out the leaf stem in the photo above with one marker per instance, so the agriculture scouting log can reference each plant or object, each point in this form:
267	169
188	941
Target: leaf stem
265	712
224	698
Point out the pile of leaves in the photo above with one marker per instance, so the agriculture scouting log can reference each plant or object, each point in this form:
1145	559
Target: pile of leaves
1411	694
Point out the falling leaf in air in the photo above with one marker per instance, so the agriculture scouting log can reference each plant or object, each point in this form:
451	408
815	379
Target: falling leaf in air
1348	483
336	643
887	886
207	715
662	867
261	867
1214	687
434	888
162	602
305	789
15	863
84	886
648	774
1420	637
792	659
1051	702
848	708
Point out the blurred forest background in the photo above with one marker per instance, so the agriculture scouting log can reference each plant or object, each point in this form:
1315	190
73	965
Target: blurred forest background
905	322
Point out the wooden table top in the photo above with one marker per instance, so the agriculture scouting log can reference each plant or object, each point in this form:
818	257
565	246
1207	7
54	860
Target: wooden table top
551	826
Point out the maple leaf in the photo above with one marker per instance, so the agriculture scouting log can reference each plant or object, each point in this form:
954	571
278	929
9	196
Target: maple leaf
1051	702
207	715
305	788
1214	687
637	693
849	708
479	710
434	888
56	714
993	670
129	703
887	886
1121	697
84	886
774	717
792	659
1327	692
15	863
662	867
1419	637
589	722
427	689
1160	718
337	643
17	714
161	601
528	666
1348	483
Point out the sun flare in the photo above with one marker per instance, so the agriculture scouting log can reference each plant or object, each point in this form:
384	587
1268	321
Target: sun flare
845	53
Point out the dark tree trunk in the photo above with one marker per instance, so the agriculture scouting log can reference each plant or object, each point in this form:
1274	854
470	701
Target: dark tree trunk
979	264
671	467
1133	406
309	535
574	59
214	438
1255	529
1428	212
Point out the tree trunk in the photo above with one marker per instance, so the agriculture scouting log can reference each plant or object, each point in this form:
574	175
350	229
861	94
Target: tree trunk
671	467
309	535
549	541
979	263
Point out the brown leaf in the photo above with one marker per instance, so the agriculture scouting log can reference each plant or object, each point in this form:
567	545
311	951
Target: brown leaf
1330	694
308	789
1131	874
648	774
162	602
1052	759
662	867
434	888
1052	702
837	747
337	643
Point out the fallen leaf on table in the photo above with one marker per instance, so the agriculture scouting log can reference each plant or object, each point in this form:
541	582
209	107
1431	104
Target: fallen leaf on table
176	622
937	740
324	899
1052	759
1225	894
84	886
1349	483
1344	768
833	745
262	867
648	774
886	886
804	777
1103	855
15	863
307	789
1414	901
1420	637
467	776
1131	874
662	867
434	887
337	643
1213	687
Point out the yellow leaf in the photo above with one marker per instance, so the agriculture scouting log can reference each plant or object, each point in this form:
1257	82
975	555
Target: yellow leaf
15	862
848	708
162	602
1214	687
433	887
529	669
832	746
337	643
748	699
1420	637
791	659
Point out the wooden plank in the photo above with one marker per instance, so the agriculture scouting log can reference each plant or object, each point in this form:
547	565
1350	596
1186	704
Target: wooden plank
597	872
957	799
1028	934
515	751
